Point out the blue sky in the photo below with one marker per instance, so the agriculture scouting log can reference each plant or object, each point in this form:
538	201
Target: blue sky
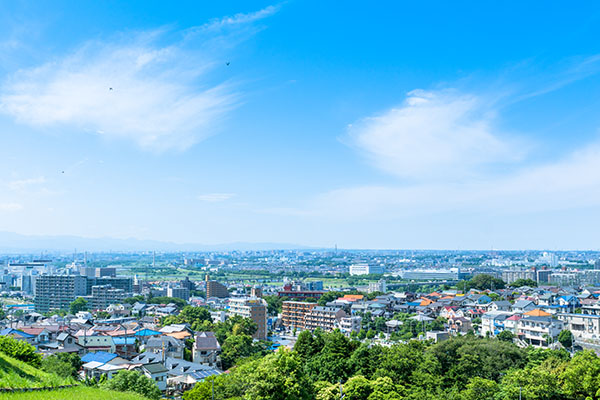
388	125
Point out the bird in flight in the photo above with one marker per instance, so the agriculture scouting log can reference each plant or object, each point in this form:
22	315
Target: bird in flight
227	63
110	88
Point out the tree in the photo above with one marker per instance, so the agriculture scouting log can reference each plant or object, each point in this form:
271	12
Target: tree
524	282
63	364
20	350
236	347
505	336
485	282
54	365
280	376
80	304
580	376
479	388
133	381
565	337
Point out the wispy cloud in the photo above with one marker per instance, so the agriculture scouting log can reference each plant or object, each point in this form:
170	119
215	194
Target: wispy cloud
8	207
215	197
434	134
239	19
152	95
20	184
157	93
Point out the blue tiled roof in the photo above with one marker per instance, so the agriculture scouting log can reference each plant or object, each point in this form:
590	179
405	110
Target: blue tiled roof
147	332
10	331
101	356
123	340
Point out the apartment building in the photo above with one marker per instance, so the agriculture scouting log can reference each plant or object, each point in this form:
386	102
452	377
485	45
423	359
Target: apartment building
215	289
326	318
57	292
178	293
350	324
253	308
584	327
105	295
294	313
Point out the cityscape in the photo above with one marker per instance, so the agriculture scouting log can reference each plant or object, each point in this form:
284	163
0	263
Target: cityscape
299	200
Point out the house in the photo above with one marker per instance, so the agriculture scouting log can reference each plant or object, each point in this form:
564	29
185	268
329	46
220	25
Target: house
500	305
206	349
584	327
459	325
166	345
157	372
125	346
569	303
539	331
492	322
522	306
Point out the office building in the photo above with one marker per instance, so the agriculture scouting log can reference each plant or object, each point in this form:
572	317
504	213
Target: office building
57	292
253	308
366	269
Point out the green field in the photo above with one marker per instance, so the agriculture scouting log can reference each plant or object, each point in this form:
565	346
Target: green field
17	374
76	393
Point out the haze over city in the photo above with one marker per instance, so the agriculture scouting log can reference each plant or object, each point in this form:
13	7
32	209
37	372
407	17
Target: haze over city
388	125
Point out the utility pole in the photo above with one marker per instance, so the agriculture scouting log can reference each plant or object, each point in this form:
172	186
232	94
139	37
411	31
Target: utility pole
212	387
342	395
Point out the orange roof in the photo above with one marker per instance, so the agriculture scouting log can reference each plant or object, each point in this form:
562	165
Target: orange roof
425	302
352	297
537	313
179	335
447	298
434	294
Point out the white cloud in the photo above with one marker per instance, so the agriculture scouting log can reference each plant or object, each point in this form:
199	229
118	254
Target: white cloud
572	182
21	184
240	18
215	197
10	207
443	134
162	96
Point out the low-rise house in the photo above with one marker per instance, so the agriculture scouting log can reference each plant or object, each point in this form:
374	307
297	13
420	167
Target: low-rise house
166	345
206	349
522	306
156	372
539	331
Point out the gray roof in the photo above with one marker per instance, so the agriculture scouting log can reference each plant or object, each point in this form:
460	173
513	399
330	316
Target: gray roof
158	342
154	368
206	341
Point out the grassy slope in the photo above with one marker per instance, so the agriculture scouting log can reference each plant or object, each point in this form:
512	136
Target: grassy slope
77	393
17	374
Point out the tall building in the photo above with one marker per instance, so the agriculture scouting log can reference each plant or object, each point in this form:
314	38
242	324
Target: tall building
57	292
215	289
178	292
366	269
326	318
379	286
105	295
253	308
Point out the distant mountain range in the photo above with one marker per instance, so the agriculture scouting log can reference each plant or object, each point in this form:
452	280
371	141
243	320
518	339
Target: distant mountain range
16	243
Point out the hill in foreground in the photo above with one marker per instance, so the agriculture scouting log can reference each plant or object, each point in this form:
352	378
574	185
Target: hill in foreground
75	393
17	374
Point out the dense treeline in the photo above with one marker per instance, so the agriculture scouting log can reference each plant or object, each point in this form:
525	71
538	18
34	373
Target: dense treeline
464	368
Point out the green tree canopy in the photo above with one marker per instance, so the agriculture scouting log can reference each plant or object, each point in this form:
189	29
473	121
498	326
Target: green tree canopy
133	381
80	304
